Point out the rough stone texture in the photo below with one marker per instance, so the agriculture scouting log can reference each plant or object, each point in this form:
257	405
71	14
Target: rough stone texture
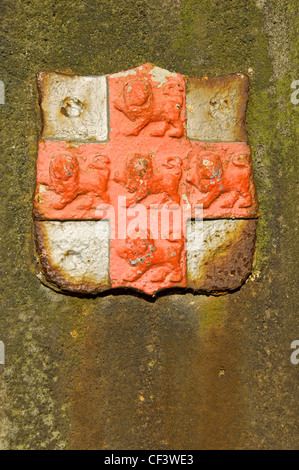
219	254
147	114
148	146
74	108
216	108
183	372
74	255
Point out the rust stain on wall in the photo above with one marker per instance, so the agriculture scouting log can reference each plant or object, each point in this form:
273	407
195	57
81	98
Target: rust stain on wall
154	368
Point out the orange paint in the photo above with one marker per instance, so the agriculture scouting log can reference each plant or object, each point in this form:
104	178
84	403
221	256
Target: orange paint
148	159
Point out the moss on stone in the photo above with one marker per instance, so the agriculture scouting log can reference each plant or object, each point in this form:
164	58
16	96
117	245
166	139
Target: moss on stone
46	367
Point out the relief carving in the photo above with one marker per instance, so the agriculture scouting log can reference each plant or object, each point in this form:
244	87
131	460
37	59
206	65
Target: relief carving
143	253
217	175
69	181
165	143
144	104
71	107
141	179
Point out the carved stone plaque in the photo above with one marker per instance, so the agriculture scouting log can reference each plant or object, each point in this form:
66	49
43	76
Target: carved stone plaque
144	181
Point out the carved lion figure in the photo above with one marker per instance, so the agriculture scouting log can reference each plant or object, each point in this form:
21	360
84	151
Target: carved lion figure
142	254
140	178
142	105
68	181
210	177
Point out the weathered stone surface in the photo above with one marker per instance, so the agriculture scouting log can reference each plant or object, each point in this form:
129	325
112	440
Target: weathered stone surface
74	256
216	108
148	161
181	371
220	259
74	108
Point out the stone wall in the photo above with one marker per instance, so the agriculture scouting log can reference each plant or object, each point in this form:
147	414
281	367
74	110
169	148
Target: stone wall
181	371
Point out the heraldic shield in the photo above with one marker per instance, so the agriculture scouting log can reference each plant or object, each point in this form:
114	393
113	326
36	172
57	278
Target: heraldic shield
145	182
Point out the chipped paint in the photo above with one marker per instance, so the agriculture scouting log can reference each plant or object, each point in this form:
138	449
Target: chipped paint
74	108
216	108
74	256
222	259
125	73
149	159
161	75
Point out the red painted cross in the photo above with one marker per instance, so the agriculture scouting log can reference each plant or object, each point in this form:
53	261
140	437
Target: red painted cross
148	162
